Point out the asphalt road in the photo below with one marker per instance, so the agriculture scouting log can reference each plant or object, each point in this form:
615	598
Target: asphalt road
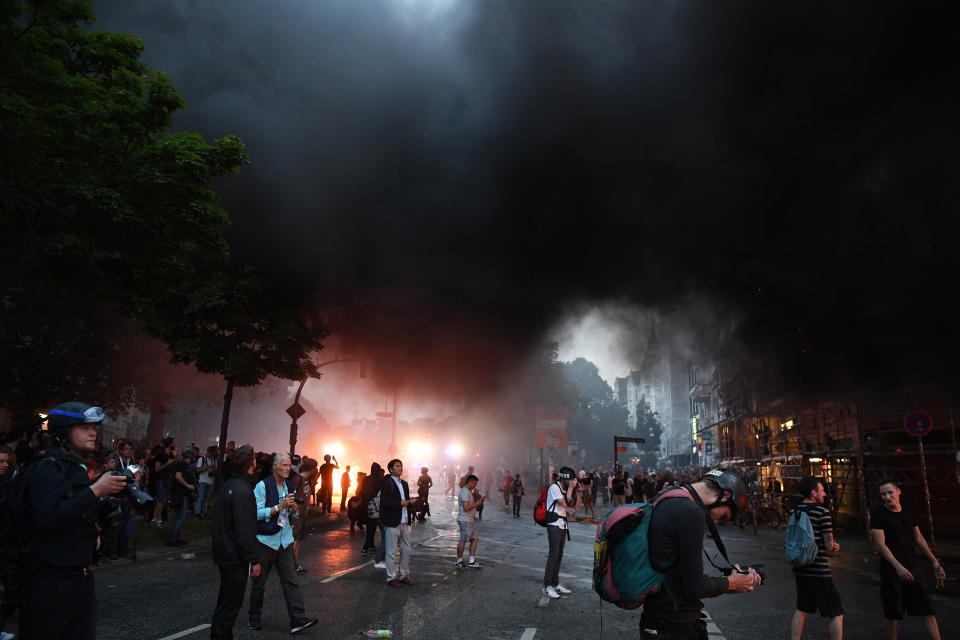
165	595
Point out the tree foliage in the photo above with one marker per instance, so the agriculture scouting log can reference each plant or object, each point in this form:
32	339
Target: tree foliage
648	428
597	416
106	212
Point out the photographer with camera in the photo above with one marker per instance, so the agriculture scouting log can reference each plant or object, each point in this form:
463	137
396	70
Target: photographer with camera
563	497
184	486
675	542
59	599
276	501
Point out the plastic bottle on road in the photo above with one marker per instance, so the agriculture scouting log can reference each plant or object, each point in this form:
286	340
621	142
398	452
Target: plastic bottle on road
379	633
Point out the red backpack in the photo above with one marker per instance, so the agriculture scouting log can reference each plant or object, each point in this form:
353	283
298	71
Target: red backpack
540	514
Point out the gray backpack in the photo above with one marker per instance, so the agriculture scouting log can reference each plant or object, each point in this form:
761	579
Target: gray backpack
801	545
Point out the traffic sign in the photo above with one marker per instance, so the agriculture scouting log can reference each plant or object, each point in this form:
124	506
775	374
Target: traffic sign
918	423
295	411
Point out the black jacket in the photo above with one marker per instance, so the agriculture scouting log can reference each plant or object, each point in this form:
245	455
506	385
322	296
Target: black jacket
390	509
235	523
63	509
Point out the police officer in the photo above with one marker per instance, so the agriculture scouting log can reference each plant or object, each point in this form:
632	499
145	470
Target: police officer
58	592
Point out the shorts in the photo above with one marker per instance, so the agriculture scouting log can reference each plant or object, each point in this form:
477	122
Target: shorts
818	593
898	596
468	530
299	526
162	493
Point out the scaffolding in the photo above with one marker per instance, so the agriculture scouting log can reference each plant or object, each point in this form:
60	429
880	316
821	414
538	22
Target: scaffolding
849	448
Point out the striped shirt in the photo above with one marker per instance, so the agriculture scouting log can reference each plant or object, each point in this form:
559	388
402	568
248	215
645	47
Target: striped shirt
822	523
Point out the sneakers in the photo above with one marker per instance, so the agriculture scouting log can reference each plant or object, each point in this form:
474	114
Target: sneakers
379	565
301	569
550	592
364	551
303	624
460	565
6	636
254	626
473	565
562	589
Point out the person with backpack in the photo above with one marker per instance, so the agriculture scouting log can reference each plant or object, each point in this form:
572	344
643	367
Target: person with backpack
59	527
468	503
675	546
206	470
370	500
562	499
815	587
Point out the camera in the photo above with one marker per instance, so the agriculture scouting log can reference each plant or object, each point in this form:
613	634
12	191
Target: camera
759	568
298	500
130	490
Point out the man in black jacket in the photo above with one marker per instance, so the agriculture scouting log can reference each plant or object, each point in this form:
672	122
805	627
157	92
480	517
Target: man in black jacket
235	548
395	515
675	542
59	600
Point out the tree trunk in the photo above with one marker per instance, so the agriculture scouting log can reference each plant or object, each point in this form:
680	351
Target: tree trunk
224	423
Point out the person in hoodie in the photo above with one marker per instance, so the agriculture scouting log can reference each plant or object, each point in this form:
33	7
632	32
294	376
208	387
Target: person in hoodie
370	489
235	549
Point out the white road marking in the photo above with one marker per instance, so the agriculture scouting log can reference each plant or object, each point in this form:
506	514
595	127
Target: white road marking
528	633
199	627
544	601
346	571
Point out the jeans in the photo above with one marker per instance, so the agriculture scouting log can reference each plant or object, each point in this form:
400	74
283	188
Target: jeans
556	537
204	490
398	552
178	520
233	582
372	525
287	572
381	554
516	505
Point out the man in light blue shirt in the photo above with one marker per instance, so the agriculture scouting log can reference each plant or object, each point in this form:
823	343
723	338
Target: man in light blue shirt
275	504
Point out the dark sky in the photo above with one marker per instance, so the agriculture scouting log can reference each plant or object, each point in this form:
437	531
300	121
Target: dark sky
441	179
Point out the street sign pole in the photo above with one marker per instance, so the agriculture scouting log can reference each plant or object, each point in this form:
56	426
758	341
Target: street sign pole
926	490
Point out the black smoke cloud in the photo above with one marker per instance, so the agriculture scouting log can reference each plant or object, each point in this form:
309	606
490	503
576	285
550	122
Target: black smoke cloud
439	180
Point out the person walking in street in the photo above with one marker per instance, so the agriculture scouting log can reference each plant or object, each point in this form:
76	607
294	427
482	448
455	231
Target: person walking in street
451	483
675	544
507	482
395	505
516	491
815	587
467	523
903	583
235	549
303	489
370	506
58	593
162	472
184	484
275	502
563	497
326	483
206	470
424	482
344	489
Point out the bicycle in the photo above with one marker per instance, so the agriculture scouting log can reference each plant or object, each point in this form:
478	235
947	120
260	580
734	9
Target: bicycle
758	513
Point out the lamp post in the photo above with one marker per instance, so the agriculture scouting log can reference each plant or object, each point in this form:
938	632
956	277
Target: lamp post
296	411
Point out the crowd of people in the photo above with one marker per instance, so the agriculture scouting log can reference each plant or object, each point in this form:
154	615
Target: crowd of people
82	501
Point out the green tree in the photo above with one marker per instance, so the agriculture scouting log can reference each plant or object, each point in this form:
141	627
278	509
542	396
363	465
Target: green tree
101	207
596	417
235	325
648	428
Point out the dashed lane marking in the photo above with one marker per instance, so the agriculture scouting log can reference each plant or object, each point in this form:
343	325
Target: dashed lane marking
544	601
199	627
528	633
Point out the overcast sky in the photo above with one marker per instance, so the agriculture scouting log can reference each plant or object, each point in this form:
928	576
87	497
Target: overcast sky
443	181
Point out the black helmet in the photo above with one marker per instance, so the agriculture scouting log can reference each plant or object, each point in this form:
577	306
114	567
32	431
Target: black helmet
566	473
65	415
730	481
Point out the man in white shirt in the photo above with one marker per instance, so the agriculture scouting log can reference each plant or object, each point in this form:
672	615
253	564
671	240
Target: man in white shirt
206	467
395	515
563	496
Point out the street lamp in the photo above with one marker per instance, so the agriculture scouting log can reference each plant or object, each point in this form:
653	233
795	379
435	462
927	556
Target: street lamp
296	410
